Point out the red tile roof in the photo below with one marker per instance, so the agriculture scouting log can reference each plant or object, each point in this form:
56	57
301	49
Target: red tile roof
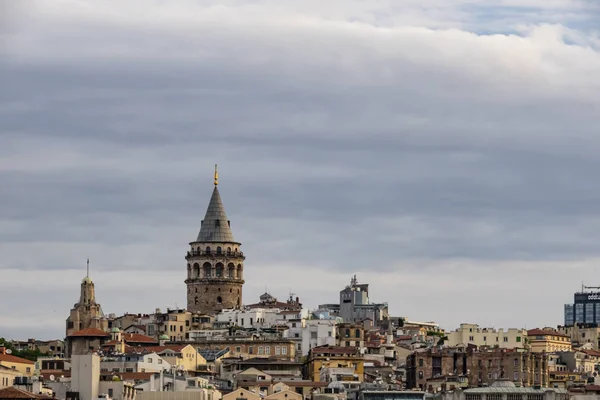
137	338
159	349
14	359
544	332
14	393
89	332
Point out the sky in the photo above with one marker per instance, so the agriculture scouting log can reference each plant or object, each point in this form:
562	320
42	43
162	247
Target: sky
444	151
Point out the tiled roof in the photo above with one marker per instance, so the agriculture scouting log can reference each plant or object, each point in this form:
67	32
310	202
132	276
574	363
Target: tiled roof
159	349
14	393
542	332
215	225
333	350
93	332
14	359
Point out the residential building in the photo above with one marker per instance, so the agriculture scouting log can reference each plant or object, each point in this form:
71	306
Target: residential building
134	362
317	333
23	366
350	335
481	366
548	340
474	335
215	263
582	334
183	356
325	357
241	394
86	313
278	349
7	376
277	369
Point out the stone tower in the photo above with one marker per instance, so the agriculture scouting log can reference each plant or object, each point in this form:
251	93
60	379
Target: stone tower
86	313
215	264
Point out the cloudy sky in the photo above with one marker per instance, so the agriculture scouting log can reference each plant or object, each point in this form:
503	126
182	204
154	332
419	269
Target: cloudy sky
445	151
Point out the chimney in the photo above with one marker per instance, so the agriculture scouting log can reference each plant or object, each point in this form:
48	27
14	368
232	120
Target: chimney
2	350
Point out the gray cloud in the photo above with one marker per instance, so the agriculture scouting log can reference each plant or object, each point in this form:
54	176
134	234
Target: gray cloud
350	139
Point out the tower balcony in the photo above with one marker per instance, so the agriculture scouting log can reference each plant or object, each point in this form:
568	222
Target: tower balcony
215	279
214	254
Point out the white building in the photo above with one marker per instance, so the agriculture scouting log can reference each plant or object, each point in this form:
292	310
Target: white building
150	362
249	318
474	335
317	332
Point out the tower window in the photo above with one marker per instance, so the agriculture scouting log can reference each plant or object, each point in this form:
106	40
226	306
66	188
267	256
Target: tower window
208	249
219	250
228	250
196	300
219	300
217	223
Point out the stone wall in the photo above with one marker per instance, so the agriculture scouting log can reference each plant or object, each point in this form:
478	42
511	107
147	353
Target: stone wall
211	296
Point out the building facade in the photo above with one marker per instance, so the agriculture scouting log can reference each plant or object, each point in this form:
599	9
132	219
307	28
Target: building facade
548	340
474	335
585	309
215	263
480	366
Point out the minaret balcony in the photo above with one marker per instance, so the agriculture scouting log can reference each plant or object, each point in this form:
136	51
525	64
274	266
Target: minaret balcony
215	279
214	254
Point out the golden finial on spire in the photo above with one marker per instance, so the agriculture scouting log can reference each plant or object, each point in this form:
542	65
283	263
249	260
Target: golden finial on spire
216	175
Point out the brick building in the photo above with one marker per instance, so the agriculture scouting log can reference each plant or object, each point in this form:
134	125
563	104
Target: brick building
481	366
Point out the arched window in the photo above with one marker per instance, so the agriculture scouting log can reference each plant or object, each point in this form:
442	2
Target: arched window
207	249
219	270
196	270
231	270
347	332
240	272
207	267
219	300
357	332
229	251
219	251
196	300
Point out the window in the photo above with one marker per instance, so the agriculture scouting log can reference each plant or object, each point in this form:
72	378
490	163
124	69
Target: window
420	362
28	369
283	350
589	313
250	350
470	338
293	324
420	374
128	369
160	360
347	332
261	350
485	338
110	393
238	349
329	333
218	247
357	333
516	362
149	360
347	344
516	376
268	350
518	339
505	339
277	350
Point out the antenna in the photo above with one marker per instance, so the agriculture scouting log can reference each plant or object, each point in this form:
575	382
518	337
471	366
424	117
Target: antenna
88	267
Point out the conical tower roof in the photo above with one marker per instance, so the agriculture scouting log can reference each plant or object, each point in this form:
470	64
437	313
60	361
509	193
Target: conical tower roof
215	225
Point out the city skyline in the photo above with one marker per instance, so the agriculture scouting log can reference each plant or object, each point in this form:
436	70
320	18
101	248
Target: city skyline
444	153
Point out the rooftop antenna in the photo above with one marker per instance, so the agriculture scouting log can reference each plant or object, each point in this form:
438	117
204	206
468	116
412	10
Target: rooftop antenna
216	175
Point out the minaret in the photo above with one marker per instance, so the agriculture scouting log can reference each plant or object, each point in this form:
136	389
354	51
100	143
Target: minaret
215	264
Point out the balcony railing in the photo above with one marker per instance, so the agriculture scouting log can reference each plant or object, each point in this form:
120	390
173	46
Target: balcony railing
215	253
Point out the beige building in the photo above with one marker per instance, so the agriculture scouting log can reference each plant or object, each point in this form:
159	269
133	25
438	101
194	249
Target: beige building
20	365
548	340
582	335
278	349
183	355
7	376
472	334
86	313
241	394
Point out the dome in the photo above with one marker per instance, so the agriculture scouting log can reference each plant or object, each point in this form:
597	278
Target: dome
503	383
164	337
87	279
115	330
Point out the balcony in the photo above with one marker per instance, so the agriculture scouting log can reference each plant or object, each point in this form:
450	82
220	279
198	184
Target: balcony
195	253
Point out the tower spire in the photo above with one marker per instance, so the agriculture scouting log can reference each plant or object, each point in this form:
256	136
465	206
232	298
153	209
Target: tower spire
216	175
88	268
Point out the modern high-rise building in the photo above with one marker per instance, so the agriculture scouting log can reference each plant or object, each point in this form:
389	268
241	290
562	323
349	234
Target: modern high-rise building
585	308
215	263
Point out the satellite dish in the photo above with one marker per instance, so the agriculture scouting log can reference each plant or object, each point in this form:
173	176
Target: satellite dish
51	377
9	351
